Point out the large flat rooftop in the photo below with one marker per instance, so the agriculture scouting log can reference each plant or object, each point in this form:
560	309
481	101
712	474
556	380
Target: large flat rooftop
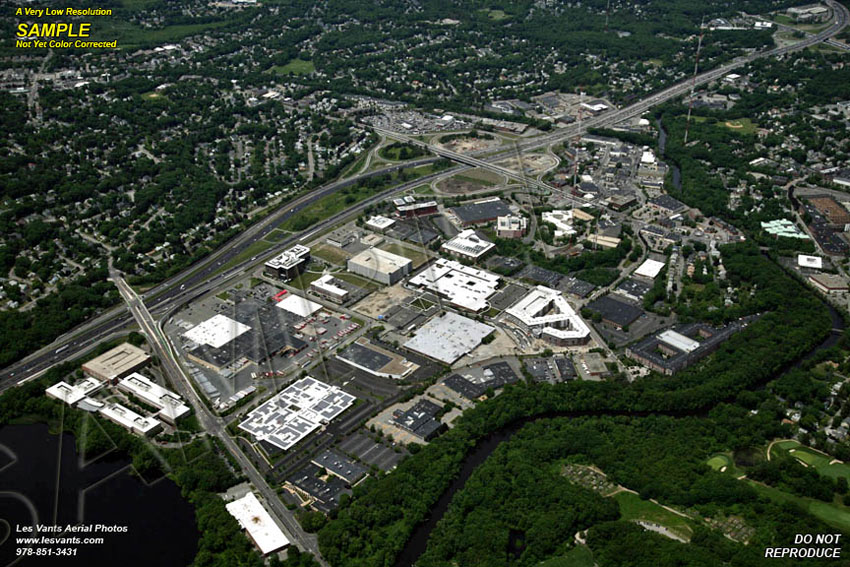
296	411
448	337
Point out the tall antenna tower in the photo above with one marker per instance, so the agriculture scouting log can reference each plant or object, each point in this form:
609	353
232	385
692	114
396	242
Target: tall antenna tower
607	12
578	139
694	81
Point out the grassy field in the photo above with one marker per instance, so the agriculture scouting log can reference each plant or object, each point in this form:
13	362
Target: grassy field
497	15
304	280
835	516
812	458
275	236
742	125
632	507
296	67
131	36
717	462
580	556
357	280
416	256
330	254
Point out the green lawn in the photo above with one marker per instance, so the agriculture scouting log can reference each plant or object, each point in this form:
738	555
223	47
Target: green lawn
296	67
276	235
131	36
580	556
632	507
303	281
717	462
813	458
330	254
742	125
416	256
835	516
497	15
354	279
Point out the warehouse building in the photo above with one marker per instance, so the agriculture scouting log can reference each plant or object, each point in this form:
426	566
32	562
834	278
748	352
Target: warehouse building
811	262
412	209
650	269
117	363
420	420
328	287
461	286
258	524
288	264
468	244
546	314
376	360
675	349
379	265
481	212
295	412
829	283
170	407
341	467
668	205
448	337
618	314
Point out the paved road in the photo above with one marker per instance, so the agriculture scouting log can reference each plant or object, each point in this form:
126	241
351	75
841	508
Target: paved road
212	424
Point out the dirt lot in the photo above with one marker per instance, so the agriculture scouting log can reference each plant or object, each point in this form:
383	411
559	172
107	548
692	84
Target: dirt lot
534	163
379	302
464	145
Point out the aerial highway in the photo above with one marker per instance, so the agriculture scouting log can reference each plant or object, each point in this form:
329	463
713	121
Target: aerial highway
205	275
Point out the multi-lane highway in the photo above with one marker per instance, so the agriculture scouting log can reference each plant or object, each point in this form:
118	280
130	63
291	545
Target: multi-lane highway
203	276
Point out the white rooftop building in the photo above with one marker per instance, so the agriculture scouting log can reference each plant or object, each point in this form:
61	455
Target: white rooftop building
563	221
814	262
379	223
679	341
650	268
546	313
216	331
130	420
448	337
71	395
462	286
258	523
170	406
295	412
297	305
467	244
380	265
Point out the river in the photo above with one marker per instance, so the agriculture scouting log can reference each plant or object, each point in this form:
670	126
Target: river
418	540
44	481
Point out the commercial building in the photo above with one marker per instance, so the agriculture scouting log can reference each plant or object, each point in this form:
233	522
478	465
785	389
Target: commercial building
619	314
603	241
622	201
376	360
216	331
341	466
130	420
288	264
462	286
809	13
413	209
632	289
420	419
468	244
72	395
295	412
379	223
481	212
170	407
511	226
829	283
298	306
379	265
328	288
650	269
545	313
258	524
674	349
667	204
448	337
563	221
812	262
116	363
495	376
